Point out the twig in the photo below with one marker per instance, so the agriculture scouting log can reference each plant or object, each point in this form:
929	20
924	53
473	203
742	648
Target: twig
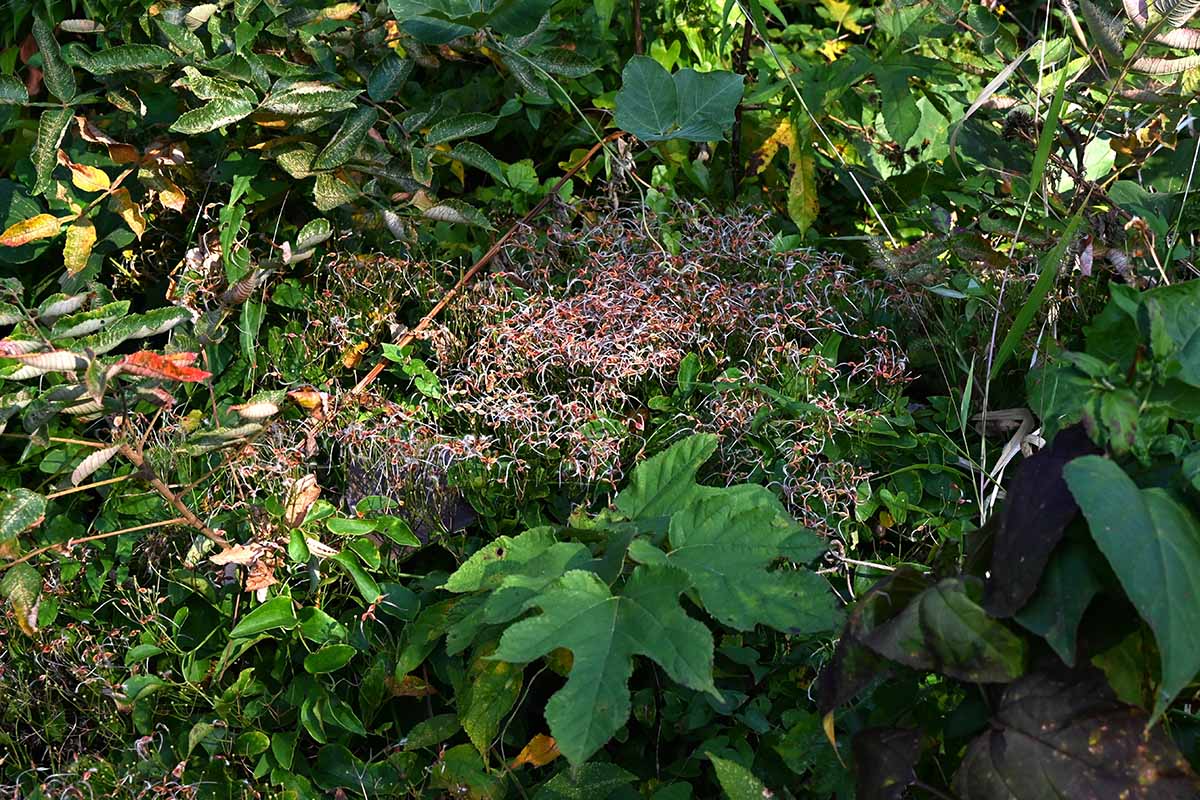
165	492
69	543
87	486
58	440
484	260
740	59
639	41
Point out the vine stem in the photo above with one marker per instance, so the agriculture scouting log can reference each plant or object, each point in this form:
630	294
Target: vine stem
165	492
483	261
83	539
87	486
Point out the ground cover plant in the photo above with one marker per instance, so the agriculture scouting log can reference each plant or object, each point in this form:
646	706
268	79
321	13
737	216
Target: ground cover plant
547	399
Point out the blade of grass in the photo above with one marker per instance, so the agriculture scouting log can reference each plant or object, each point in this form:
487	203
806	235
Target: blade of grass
1047	272
1049	133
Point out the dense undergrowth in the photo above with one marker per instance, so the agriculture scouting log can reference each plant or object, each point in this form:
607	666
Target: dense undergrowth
570	399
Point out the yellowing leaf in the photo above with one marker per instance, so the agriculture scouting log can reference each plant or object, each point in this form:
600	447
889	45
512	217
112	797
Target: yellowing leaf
840	12
339	12
540	751
171	196
833	48
40	227
81	236
780	137
121	203
353	354
803	205
85	178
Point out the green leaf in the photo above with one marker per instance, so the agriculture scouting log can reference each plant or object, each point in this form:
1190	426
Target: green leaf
366	585
312	234
251	743
1067	588
21	585
727	541
331	191
350	527
945	629
492	690
604	631
59	78
329	659
20	510
12	91
900	111
665	483
127	58
387	77
736	781
460	127
473	155
212	115
568	63
345	143
275	614
585	782
696	106
432	731
1153	545
459	213
51	127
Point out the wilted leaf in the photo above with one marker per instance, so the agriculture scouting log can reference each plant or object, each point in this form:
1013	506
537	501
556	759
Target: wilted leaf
170	367
42	226
81	236
539	752
85	178
1052	739
120	202
803	202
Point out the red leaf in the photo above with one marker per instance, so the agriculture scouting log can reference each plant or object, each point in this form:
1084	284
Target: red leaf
171	367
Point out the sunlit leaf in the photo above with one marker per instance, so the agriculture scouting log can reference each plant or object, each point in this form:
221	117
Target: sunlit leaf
81	237
42	226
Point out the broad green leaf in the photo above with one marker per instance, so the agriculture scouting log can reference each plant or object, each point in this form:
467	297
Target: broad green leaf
212	115
330	658
736	781
604	632
726	543
12	91
490	692
127	58
350	527
1067	588
387	77
331	191
461	772
1153	545
432	731
655	106
22	587
476	156
585	782
51	127
56	73
1173	315
665	483
945	629
275	614
345	143
312	234
251	743
460	127
459	213
368	589
558	61
900	112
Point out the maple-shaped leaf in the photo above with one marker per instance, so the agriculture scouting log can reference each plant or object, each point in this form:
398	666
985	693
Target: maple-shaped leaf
727	541
170	367
604	632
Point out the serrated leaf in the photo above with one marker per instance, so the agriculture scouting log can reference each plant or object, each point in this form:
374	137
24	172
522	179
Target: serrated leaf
51	127
458	212
604	632
212	115
20	510
128	58
42	226
460	127
727	541
22	587
56	74
665	483
1152	543
349	137
81	237
474	155
12	91
387	77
